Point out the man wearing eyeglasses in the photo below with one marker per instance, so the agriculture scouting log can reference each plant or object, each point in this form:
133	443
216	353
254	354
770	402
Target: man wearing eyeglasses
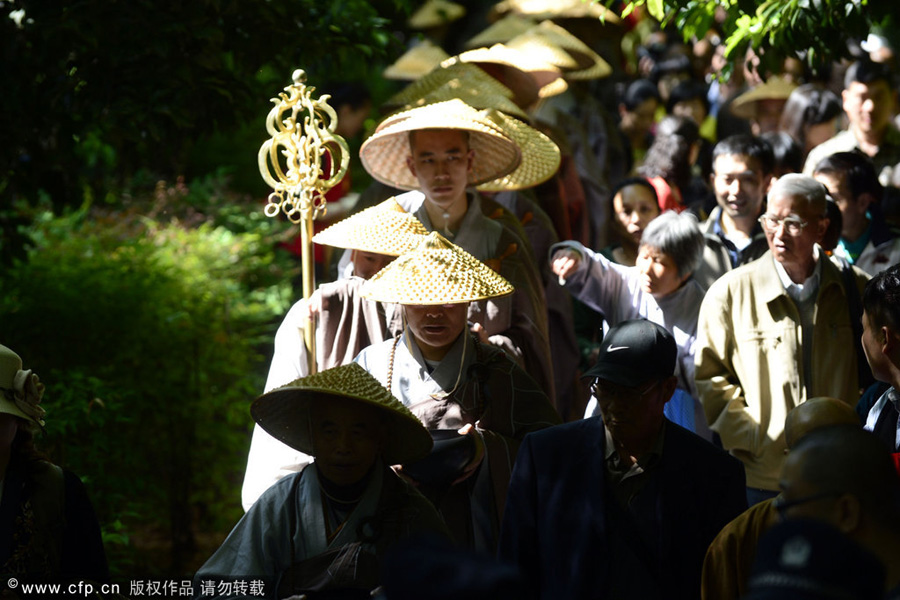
775	332
623	504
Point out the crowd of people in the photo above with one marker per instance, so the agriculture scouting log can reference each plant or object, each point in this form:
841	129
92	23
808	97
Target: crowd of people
638	311
603	326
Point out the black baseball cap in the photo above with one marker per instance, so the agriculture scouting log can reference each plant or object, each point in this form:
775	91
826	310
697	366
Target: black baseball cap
635	352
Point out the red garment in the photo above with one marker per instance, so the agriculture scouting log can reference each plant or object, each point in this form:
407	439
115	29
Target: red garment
669	197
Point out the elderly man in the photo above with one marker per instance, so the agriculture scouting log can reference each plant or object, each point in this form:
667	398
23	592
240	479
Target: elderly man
870	100
866	241
325	528
453	381
775	332
881	344
346	323
845	477
742	173
439	150
621	505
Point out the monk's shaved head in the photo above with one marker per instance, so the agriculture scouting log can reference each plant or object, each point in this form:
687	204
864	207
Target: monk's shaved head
814	414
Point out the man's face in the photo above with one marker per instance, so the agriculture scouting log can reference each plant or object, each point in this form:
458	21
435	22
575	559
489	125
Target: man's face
633	415
739	185
436	328
367	264
869	106
659	273
794	251
635	206
872	341
441	161
347	439
853	210
768	116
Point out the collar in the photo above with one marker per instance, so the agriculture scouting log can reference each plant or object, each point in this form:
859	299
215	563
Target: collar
852	250
452	368
801	291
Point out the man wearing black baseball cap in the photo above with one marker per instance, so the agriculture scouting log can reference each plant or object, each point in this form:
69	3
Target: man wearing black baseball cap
621	505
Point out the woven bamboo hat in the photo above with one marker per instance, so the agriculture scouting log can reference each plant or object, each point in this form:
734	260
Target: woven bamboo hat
476	97
384	229
557	9
435	13
20	390
284	413
501	31
774	88
588	64
459	75
437	272
528	77
540	156
384	153
416	62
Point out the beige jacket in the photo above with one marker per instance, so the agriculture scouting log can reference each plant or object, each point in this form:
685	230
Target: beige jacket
749	363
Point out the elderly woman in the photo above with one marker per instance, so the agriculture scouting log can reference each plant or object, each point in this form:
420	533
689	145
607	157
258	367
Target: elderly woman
49	530
658	288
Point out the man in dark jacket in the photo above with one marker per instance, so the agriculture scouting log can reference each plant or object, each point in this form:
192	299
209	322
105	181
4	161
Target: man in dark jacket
622	505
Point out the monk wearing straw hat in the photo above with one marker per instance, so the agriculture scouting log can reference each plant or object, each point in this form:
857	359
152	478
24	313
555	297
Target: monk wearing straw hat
346	324
439	151
324	529
478	403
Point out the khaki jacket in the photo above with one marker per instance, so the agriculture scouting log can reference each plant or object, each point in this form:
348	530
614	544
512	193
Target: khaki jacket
749	365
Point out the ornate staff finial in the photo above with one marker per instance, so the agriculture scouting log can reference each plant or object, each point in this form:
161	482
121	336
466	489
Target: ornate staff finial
304	158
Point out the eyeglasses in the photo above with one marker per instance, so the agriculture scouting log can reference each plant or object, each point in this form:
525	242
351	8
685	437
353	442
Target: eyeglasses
792	225
782	504
625	394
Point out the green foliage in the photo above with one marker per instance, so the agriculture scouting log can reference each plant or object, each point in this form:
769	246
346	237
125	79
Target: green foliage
150	325
814	30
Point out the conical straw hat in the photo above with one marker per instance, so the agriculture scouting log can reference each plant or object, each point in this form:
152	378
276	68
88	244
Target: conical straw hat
384	153
437	272
284	413
501	31
540	156
553	9
435	13
384	229
416	62
476	97
529	77
590	64
774	88
460	75
534	44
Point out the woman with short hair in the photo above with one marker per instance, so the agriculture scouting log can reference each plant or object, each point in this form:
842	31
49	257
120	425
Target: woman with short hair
658	288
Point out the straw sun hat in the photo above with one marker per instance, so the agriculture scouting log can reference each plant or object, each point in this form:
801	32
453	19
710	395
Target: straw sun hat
527	76
416	62
437	272
557	9
384	153
435	13
540	156
587	63
384	229
477	97
501	31
284	413
20	391
459	76
774	88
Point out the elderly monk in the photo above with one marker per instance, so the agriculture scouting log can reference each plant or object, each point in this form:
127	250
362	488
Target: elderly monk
326	528
452	380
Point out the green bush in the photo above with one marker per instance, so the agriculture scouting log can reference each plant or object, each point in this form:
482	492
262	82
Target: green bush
150	323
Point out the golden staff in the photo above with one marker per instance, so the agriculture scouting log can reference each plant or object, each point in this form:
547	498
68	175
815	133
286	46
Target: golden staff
304	142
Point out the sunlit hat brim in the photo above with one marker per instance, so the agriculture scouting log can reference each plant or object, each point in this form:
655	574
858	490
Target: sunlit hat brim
383	229
416	62
478	97
435	13
513	63
540	156
437	272
284	413
459	76
557	9
501	31
384	154
775	88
